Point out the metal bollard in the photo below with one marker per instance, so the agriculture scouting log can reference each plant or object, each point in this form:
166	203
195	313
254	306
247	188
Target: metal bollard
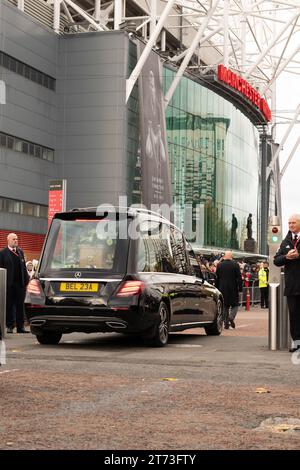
3	301
279	336
283	319
273	315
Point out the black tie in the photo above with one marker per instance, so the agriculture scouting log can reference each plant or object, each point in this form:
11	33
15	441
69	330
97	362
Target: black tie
295	238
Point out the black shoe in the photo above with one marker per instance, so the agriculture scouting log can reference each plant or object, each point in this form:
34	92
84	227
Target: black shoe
22	330
232	324
10	330
226	326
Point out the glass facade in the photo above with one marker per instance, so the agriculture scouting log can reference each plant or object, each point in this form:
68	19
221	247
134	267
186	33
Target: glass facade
215	165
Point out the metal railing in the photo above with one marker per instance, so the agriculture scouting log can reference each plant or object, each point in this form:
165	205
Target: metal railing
254	294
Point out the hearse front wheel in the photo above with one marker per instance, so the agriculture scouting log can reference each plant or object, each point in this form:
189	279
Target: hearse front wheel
215	329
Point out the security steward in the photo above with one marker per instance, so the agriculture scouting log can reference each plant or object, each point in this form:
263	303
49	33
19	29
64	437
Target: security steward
12	259
263	277
288	256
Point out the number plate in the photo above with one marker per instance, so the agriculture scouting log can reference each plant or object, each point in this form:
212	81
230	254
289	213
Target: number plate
79	287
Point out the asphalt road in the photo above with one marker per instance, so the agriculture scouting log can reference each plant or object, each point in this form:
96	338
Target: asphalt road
111	392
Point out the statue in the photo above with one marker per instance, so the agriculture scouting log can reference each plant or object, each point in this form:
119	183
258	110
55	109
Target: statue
249	227
234	226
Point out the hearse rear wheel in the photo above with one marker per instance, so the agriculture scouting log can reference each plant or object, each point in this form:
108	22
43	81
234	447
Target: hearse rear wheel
161	332
49	337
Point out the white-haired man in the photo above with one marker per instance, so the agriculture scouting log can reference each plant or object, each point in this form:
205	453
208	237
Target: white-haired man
229	282
12	259
288	256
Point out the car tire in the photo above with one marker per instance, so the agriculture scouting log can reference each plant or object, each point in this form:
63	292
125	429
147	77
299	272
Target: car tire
49	338
215	329
161	331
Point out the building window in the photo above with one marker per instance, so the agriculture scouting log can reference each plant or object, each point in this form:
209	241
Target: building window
37	151
26	71
10	142
24	208
3	140
23	146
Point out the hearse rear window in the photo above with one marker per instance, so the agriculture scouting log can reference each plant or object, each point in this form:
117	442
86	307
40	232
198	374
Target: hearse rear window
85	244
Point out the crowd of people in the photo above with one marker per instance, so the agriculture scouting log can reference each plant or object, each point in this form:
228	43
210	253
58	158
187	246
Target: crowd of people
249	271
230	277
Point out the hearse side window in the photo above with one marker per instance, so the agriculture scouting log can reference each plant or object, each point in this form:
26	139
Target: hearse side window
195	267
154	252
179	252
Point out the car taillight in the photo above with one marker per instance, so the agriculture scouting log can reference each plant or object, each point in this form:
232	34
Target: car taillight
130	288
34	287
34	293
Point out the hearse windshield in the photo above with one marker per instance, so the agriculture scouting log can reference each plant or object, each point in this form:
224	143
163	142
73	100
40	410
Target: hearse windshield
87	245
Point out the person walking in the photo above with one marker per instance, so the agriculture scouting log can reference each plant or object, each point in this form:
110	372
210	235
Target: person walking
288	255
229	282
12	259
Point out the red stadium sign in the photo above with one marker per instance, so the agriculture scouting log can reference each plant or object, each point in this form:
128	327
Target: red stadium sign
242	86
57	198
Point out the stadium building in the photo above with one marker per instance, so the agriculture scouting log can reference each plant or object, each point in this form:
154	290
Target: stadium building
71	110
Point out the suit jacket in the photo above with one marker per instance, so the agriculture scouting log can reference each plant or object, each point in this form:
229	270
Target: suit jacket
6	262
229	281
291	266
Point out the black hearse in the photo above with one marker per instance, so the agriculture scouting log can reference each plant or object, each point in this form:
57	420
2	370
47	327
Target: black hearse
123	270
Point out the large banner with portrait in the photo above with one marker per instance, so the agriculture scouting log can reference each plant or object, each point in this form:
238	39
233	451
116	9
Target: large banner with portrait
156	178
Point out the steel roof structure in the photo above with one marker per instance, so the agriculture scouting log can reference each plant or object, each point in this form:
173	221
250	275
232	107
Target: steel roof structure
257	39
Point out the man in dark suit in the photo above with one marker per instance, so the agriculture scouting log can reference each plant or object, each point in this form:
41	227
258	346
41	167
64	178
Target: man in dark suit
12	259
288	255
229	282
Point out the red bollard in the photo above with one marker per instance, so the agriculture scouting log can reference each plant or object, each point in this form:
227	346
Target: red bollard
247	282
248	300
